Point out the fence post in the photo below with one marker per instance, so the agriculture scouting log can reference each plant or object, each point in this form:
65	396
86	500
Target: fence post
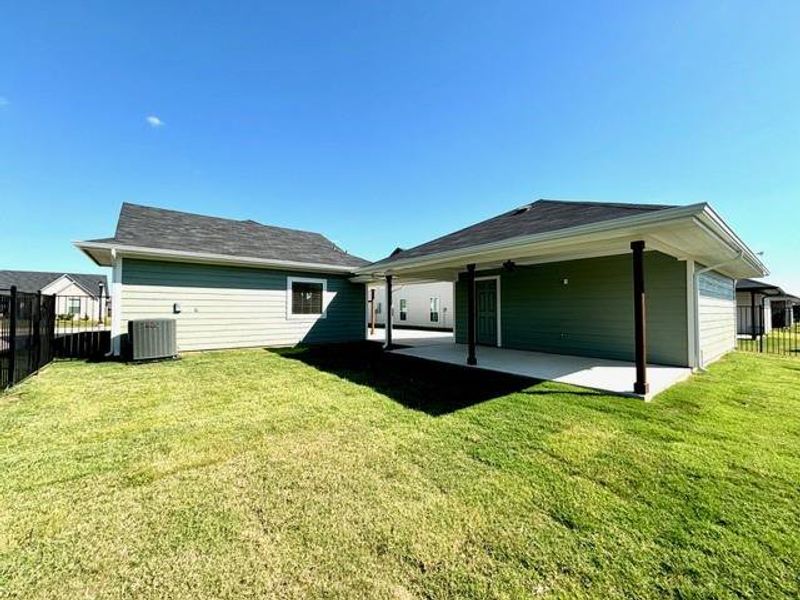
12	338
37	331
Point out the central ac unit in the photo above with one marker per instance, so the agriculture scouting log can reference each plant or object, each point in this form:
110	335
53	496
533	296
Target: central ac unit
151	339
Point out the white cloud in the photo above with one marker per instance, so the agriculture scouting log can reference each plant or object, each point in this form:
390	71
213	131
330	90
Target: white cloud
154	121
4	101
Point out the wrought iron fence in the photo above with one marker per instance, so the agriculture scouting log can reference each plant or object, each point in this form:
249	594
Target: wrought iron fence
82	326
36	328
26	334
771	329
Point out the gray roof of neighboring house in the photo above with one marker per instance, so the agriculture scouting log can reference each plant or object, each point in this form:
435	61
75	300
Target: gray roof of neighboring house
541	216
159	228
33	281
753	285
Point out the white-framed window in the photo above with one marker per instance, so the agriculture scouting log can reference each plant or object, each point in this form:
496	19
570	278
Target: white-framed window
434	316
305	297
73	306
403	309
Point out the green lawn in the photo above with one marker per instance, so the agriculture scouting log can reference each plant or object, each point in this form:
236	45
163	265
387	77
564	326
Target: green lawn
338	473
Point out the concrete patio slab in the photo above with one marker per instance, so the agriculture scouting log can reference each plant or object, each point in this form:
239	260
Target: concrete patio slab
606	375
413	337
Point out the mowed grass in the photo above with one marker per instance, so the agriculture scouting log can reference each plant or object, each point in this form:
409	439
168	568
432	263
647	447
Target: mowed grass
338	473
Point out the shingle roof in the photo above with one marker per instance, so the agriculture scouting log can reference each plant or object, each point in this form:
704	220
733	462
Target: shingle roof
747	285
159	228
33	281
541	216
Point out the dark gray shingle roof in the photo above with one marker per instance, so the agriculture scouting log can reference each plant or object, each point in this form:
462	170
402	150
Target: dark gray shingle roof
159	228
541	216
33	281
748	285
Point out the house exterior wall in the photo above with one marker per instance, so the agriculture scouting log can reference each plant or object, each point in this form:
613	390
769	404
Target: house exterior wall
717	313
418	302
229	307
592	314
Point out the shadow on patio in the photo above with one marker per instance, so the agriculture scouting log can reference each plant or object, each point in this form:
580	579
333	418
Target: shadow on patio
419	384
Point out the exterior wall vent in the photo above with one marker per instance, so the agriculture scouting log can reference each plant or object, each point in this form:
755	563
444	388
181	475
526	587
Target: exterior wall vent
152	339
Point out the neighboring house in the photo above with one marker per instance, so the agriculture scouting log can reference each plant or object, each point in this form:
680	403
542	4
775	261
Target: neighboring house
229	283
417	305
772	307
78	295
571	278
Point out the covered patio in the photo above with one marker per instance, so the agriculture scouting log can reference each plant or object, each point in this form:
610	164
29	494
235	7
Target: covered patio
602	374
556	291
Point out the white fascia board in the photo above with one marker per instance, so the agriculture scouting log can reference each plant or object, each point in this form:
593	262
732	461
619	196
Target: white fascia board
711	219
208	258
602	227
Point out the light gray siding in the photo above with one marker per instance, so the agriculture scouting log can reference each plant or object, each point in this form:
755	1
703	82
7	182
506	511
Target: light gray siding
592	313
717	314
228	307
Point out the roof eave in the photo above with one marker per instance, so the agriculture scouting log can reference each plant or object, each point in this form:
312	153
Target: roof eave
100	253
509	243
699	213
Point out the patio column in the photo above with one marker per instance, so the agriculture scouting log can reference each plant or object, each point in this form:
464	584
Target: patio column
640	386
471	318
387	345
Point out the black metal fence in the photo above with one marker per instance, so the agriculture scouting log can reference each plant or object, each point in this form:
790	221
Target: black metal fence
26	334
82	326
771	329
36	328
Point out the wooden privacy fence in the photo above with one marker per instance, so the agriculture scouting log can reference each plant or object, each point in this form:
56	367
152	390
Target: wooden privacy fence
36	328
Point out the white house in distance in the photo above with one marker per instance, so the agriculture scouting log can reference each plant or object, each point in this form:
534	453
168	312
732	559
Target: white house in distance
417	305
773	308
78	295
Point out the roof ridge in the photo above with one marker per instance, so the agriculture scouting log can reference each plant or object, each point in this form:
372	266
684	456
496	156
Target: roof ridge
628	205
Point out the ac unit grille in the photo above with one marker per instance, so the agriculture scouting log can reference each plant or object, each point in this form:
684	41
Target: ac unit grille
152	339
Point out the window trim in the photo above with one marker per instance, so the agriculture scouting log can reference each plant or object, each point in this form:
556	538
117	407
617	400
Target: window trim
290	281
434	309
71	306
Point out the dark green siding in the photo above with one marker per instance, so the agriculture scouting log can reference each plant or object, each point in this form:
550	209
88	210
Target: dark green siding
592	315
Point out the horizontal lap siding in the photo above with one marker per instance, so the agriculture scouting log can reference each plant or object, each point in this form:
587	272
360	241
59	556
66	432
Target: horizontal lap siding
592	315
717	313
229	307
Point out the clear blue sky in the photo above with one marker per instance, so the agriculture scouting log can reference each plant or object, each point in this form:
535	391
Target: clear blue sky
382	124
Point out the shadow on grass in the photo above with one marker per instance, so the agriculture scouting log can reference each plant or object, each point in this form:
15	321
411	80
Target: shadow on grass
431	387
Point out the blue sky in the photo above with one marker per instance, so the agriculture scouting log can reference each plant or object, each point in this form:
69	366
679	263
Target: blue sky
382	124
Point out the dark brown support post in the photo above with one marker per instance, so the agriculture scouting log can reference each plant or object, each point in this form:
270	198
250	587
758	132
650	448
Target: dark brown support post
372	311
471	319
387	345
639	317
12	337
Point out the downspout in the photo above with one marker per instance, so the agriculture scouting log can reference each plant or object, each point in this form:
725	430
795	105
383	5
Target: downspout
697	273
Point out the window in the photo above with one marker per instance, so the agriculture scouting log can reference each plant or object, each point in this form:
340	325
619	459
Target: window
434	310
403	309
306	296
73	306
378	308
